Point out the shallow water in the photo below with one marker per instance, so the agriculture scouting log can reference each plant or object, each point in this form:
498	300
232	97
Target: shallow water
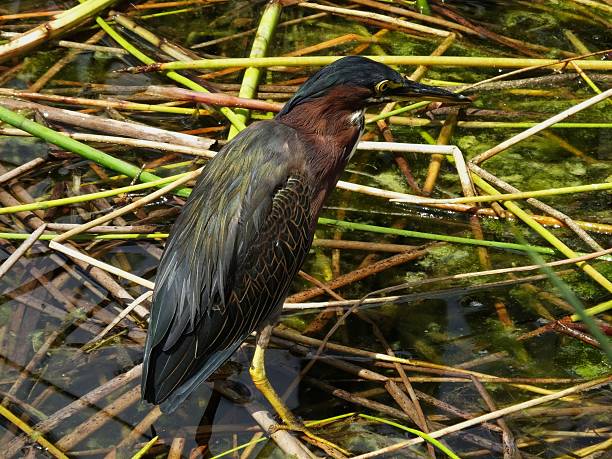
446	323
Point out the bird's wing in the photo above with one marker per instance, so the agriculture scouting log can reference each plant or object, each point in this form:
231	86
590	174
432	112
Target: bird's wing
213	288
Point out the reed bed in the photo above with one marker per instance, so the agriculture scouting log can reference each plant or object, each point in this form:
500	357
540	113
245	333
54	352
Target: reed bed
456	300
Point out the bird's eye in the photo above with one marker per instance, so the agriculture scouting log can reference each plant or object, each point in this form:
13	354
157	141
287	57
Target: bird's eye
381	87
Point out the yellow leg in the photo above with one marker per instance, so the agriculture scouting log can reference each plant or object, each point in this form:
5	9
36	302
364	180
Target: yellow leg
262	383
258	374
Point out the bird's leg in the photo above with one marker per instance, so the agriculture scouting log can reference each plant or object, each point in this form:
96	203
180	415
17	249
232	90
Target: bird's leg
258	374
261	381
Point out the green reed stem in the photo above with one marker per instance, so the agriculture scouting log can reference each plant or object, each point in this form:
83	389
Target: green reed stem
228	113
348	225
81	149
398	111
259	440
435	237
543	232
303	61
33	434
250	80
163	167
88	197
414	122
86	236
423	7
432	441
140	453
322	221
239	447
572	299
167	13
527	194
597	309
63	22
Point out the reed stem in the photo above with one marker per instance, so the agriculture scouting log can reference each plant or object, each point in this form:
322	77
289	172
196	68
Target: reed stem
435	237
547	235
250	80
228	113
447	61
99	157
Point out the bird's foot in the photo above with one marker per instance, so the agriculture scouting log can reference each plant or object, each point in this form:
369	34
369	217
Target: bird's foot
330	448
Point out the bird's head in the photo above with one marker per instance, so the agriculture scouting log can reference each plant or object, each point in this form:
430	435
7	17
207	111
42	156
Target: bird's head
362	82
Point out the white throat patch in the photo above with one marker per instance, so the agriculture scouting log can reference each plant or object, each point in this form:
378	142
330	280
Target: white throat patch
356	118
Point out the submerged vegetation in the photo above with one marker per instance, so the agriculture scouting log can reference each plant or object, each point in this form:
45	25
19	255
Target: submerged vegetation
420	326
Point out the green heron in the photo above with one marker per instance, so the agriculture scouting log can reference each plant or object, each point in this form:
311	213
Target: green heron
244	232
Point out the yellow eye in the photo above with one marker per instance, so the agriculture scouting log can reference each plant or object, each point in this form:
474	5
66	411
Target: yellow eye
381	87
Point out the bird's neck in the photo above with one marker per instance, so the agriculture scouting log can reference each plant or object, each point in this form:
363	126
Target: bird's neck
331	125
331	129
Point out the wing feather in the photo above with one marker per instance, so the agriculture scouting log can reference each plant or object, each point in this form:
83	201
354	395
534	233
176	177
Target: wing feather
213	287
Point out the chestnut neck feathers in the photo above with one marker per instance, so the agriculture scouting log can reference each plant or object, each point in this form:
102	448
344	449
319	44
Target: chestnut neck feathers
332	124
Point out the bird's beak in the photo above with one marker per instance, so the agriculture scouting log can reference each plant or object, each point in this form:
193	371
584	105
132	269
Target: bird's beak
417	91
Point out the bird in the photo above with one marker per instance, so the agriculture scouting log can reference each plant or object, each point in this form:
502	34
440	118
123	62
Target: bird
248	224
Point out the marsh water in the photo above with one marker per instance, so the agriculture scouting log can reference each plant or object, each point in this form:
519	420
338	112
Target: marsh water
473	324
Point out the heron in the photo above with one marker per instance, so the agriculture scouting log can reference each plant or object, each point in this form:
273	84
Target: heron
247	227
